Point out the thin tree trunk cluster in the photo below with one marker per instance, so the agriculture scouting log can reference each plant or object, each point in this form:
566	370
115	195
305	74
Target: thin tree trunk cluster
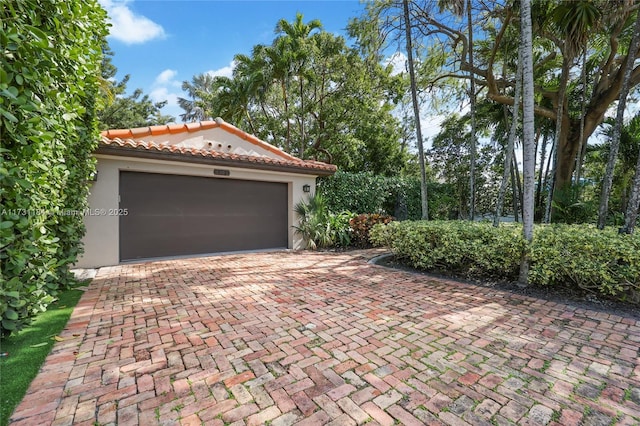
617	129
416	111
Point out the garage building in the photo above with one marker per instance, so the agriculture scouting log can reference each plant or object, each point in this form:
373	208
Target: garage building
192	189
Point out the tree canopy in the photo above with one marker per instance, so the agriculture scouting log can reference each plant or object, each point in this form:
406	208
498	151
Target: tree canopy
580	51
122	111
312	95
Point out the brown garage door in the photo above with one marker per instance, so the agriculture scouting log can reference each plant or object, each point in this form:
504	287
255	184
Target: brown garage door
171	215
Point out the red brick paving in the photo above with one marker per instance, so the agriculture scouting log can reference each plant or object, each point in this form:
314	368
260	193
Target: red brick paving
327	338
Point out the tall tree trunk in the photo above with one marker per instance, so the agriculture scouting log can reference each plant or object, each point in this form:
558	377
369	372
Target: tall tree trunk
542	172
633	204
528	130
416	112
516	196
472	99
560	116
617	128
514	166
582	149
510	144
303	142
286	114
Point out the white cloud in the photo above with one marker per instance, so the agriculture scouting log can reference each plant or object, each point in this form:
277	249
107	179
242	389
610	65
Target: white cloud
128	27
166	77
398	63
164	89
160	94
224	71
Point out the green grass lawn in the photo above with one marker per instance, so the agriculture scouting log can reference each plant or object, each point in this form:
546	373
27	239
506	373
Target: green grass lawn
28	349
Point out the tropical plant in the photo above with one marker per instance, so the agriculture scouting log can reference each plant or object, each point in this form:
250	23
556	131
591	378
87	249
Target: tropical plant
362	224
319	227
509	150
199	90
312	95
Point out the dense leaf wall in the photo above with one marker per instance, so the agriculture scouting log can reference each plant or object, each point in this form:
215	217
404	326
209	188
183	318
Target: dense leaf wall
49	86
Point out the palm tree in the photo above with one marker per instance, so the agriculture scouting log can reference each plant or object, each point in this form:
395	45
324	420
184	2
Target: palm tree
633	204
573	20
529	155
294	36
615	142
231	100
508	158
200	87
472	99
285	59
416	111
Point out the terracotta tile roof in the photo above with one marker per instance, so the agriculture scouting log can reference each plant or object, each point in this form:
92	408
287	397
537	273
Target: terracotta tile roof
122	142
141	132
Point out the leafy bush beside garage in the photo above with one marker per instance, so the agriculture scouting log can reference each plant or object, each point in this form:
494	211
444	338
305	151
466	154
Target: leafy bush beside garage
49	83
397	196
579	256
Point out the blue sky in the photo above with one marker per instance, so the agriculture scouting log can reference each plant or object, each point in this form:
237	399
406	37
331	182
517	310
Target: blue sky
162	43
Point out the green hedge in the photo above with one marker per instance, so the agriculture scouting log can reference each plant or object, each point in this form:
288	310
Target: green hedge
49	84
395	196
603	262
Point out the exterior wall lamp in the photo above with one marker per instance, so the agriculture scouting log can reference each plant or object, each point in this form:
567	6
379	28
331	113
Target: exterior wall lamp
306	188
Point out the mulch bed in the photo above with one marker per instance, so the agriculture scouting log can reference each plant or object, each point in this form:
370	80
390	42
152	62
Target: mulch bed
560	294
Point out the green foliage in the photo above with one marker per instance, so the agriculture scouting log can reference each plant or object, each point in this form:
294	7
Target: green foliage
596	160
361	227
311	94
357	192
473	249
396	196
321	228
601	262
49	82
126	112
571	206
450	159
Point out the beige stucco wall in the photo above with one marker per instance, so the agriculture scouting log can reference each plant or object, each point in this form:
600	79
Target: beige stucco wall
101	241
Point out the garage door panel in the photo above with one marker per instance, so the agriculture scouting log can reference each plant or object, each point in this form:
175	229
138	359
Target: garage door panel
170	215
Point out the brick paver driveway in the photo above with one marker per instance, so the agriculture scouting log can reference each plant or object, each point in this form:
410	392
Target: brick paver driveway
326	338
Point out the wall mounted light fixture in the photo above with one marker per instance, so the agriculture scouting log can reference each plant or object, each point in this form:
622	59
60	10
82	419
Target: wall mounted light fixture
306	188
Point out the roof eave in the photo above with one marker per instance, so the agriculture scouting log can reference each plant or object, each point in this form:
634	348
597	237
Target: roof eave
223	162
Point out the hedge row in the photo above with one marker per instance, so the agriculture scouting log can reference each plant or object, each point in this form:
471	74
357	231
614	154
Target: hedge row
49	83
602	262
396	196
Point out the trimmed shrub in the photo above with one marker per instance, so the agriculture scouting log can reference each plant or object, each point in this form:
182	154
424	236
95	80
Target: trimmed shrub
471	249
394	196
356	192
49	82
601	262
361	226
